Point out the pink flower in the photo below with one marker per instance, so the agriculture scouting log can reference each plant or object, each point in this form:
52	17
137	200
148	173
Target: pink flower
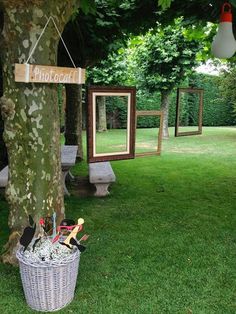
41	221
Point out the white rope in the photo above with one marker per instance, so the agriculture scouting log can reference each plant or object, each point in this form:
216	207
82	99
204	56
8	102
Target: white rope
32	51
63	43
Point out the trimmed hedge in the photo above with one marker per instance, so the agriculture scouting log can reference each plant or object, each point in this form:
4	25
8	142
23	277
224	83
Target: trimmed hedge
215	111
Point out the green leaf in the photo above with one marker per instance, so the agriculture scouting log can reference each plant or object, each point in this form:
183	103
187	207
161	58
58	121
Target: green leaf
88	6
164	4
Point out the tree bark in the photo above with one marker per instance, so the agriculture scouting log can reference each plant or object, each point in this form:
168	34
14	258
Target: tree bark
73	117
61	92
165	95
31	116
3	149
102	117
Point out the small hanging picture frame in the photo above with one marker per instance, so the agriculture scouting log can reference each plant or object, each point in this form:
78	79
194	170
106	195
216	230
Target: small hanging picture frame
189	111
153	146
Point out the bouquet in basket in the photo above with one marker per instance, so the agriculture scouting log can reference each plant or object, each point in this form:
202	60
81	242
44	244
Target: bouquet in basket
49	261
52	243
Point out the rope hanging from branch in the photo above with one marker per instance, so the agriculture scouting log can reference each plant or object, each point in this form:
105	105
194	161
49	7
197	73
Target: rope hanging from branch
36	44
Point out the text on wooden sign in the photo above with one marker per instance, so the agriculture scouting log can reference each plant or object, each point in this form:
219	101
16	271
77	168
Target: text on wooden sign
48	74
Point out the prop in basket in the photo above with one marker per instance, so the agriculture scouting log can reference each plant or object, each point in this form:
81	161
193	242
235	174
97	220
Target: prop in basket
49	262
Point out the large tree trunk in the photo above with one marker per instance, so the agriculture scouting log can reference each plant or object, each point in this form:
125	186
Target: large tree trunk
165	95
102	116
73	117
31	116
3	149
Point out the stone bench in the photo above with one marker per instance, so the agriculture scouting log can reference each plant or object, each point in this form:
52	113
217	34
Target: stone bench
4	177
101	175
68	159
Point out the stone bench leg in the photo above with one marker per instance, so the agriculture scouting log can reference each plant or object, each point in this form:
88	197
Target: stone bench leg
64	174
102	189
71	176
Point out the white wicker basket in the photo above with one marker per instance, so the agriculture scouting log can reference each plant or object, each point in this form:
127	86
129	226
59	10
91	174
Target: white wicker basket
49	286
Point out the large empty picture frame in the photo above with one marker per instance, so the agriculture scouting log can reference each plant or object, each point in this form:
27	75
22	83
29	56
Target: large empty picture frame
189	108
150	139
111	123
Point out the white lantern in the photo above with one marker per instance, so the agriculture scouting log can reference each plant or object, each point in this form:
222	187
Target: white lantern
224	44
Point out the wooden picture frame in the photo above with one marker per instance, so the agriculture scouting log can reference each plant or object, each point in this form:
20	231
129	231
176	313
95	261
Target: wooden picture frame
125	93
159	135
198	91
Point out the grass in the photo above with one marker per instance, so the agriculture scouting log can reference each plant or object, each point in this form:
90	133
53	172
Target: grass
164	241
105	141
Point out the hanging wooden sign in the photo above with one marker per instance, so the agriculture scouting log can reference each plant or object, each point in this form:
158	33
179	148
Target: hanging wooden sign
48	74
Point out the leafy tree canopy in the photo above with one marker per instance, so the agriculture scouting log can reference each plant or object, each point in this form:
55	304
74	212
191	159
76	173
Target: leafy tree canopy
110	71
91	36
103	26
166	57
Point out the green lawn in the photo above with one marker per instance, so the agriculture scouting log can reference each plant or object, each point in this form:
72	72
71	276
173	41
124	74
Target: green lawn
111	141
164	241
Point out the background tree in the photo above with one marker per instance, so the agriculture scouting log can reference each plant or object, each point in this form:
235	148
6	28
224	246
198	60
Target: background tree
165	58
227	88
30	113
